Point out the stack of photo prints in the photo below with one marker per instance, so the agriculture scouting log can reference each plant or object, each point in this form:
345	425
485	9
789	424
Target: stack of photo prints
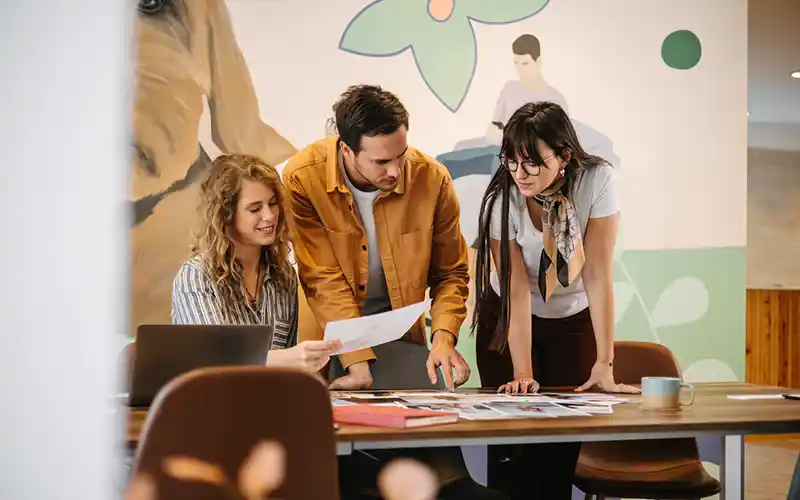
488	406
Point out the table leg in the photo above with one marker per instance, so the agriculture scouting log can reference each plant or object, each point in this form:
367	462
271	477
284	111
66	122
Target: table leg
732	468
344	448
794	488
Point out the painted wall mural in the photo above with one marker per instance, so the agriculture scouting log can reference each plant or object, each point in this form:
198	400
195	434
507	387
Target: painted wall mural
661	296
187	59
478	156
208	84
681	50
438	32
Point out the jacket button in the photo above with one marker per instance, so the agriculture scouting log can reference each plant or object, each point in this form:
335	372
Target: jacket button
361	287
364	247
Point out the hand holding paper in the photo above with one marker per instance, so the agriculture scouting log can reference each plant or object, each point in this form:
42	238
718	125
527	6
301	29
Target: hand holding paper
377	329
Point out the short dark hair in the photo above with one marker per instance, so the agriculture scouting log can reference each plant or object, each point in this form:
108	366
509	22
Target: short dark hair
367	110
527	44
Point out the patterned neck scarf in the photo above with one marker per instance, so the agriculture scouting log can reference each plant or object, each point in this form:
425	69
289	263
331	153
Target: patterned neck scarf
562	258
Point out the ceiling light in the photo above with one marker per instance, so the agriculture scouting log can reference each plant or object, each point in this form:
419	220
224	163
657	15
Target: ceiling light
796	74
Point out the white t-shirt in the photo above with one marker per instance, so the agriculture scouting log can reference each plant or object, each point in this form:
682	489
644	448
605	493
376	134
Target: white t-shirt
377	299
515	95
596	195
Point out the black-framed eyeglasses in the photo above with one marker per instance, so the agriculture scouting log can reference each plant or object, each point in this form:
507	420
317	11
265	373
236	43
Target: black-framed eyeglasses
528	166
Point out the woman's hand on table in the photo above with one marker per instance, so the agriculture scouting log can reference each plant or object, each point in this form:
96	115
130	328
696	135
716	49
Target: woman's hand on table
602	377
520	386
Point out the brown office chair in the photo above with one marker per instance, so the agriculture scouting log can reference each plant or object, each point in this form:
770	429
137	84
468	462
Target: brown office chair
218	415
657	469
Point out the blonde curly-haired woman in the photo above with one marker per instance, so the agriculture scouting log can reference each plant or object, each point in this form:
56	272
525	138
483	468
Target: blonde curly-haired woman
240	273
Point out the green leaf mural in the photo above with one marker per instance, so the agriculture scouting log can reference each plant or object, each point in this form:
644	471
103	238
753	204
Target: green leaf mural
447	62
500	11
623	296
684	301
439	33
692	301
366	34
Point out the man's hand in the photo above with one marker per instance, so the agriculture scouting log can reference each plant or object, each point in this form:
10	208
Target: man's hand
443	354
358	377
311	355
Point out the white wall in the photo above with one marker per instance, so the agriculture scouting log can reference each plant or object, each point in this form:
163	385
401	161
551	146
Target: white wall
773	212
64	243
783	136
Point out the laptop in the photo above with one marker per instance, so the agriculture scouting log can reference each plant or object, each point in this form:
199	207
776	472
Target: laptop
164	352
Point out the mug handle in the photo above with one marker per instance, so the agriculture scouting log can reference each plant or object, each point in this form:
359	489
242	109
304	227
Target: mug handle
691	394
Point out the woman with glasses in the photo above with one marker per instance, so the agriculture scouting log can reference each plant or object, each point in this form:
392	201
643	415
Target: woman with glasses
548	223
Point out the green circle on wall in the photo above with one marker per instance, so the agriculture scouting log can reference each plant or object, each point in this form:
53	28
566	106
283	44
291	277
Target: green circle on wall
681	50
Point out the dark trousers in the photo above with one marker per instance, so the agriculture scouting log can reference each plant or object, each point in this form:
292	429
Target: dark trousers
358	473
564	352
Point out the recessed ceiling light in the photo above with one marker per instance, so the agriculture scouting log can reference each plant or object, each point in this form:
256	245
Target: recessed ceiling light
796	74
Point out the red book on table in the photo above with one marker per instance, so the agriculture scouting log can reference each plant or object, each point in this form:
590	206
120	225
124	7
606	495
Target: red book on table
390	416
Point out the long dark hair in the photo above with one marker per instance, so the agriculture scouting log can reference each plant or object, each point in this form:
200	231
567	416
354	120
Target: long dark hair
549	123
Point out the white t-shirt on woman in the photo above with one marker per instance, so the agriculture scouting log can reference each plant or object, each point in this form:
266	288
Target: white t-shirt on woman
596	195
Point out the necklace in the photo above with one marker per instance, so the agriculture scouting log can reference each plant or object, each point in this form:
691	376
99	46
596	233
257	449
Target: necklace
253	297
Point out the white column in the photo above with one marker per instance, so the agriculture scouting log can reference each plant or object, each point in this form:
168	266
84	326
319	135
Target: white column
63	240
732	468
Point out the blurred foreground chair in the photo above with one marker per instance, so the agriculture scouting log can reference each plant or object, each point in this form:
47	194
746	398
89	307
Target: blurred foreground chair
213	431
654	469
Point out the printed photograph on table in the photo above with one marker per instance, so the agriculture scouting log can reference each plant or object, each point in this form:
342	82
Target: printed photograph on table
544	409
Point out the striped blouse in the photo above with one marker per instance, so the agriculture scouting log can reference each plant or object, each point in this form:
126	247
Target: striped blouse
195	301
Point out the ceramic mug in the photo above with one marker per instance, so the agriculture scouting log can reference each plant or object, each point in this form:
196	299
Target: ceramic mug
663	393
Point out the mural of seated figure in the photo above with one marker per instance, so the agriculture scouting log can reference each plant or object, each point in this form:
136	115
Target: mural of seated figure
478	156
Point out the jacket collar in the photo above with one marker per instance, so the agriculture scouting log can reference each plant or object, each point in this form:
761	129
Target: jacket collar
334	171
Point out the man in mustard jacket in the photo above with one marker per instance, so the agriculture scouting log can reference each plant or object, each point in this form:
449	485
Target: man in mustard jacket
376	223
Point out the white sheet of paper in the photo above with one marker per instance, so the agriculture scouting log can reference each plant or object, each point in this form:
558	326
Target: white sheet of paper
756	396
377	329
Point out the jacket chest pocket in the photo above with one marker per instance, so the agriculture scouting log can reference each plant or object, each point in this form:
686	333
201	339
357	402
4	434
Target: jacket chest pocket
344	246
415	257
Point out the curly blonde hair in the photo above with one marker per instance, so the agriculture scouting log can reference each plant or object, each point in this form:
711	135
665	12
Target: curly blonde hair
219	198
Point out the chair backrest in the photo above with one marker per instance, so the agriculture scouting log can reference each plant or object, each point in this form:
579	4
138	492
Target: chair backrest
614	459
400	366
218	415
634	360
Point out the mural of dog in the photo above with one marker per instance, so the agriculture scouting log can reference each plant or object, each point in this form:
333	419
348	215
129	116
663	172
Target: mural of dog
186	53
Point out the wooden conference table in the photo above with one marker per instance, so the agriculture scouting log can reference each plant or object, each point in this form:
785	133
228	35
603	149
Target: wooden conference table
712	413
